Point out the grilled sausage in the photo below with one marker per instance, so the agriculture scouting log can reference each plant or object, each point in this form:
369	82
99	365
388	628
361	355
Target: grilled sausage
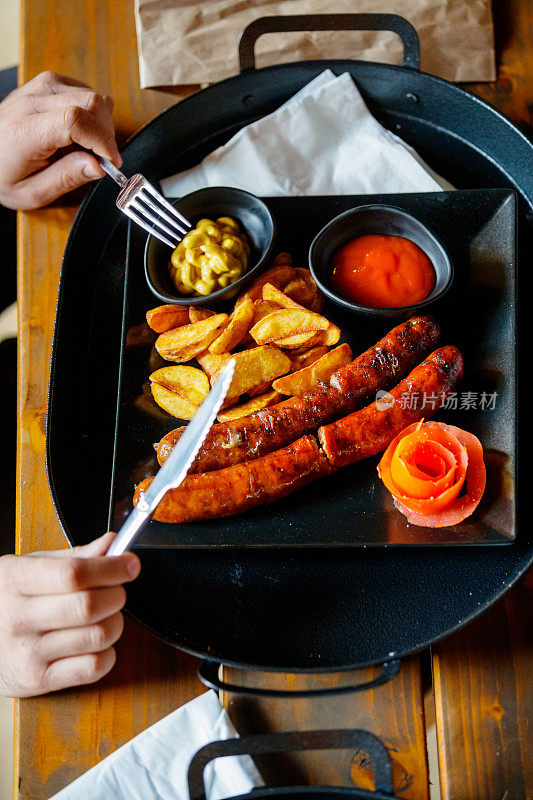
372	429
242	486
276	426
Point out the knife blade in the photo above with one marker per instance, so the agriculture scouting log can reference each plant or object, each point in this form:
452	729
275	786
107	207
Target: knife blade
175	468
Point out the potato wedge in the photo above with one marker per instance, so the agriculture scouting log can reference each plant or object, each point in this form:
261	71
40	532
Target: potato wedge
300	341
165	318
308	357
259	389
212	363
300	292
179	390
331	336
185	343
256	404
271	294
236	329
172	403
326	338
189	382
287	323
254	367
317	340
317	303
278	276
321	370
262	308
197	314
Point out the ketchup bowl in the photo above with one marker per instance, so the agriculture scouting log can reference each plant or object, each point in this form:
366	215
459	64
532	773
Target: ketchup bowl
381	221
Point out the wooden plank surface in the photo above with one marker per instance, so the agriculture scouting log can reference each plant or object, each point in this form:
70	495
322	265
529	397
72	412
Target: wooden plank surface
62	735
484	704
394	712
483	675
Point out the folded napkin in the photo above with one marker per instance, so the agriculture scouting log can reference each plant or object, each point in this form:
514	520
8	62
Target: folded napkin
153	766
322	141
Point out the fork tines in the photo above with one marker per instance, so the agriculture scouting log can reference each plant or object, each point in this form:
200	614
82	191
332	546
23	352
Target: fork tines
146	206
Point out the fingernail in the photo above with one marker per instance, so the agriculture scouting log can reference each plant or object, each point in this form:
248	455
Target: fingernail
92	172
133	565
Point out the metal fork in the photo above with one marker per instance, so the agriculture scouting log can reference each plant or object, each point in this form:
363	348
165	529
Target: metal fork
147	207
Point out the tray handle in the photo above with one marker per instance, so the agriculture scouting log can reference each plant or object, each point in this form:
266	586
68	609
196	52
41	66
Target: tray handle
208	672
330	22
291	741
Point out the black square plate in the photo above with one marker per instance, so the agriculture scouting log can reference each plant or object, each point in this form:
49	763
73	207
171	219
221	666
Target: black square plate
351	507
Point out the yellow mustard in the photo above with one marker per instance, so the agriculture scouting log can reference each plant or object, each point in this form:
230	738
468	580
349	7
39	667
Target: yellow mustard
210	257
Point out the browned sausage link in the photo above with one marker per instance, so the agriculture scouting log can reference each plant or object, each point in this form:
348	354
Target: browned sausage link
274	427
371	430
242	486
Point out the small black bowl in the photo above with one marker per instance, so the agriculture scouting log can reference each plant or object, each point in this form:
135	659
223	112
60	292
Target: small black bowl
389	221
215	201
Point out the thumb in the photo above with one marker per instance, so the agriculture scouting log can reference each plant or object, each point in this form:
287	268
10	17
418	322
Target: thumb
64	175
98	547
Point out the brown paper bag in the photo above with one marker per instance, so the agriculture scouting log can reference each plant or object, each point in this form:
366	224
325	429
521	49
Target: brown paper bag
195	41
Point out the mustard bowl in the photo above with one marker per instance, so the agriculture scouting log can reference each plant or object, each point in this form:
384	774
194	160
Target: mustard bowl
253	218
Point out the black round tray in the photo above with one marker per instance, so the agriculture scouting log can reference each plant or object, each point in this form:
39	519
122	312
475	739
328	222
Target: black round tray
291	610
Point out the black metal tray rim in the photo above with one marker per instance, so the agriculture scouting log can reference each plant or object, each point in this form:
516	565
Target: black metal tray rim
211	655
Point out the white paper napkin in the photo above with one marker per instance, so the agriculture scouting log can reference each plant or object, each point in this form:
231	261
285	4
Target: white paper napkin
322	141
153	765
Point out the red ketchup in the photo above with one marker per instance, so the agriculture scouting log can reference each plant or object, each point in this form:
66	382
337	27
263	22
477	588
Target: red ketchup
382	271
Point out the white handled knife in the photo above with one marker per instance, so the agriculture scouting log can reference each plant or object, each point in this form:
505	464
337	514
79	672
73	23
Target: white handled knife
175	468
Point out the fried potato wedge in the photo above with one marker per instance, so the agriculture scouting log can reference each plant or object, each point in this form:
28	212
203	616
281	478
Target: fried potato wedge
261	309
300	341
277	276
165	318
321	370
317	303
327	338
331	336
185	343
271	294
332	333
197	314
317	340
179	390
261	388
254	367
287	324
236	329
256	404
308	357
172	403
212	363
300	292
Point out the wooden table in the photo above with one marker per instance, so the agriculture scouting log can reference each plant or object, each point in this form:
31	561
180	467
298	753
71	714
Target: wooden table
480	675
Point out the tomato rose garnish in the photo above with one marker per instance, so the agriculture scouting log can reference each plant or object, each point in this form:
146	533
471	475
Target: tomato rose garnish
435	473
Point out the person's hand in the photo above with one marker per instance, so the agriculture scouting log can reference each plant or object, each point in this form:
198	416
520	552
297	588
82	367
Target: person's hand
60	616
39	123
